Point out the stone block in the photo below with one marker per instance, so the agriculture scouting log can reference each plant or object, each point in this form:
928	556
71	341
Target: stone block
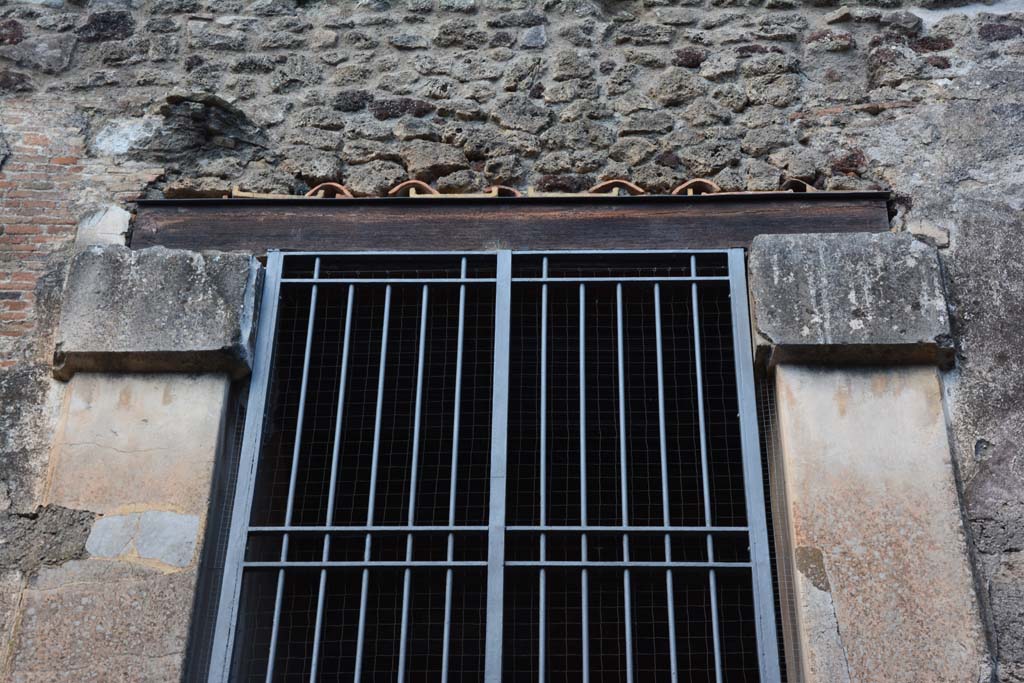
161	535
167	537
111	536
97	620
848	298
157	310
882	581
106	226
131	442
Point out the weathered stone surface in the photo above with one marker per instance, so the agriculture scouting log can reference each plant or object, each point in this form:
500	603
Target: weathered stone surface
96	620
111	535
940	127
105	226
132	441
157	309
50	535
883	582
167	537
428	161
848	298
49	54
106	25
518	113
375	178
162	536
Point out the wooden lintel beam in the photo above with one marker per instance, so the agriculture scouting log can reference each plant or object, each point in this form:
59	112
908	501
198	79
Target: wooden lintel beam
470	224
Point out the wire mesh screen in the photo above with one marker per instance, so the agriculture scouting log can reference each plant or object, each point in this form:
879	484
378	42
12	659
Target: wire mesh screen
376	548
627	539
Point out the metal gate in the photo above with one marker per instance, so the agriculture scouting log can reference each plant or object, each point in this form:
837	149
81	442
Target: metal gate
500	466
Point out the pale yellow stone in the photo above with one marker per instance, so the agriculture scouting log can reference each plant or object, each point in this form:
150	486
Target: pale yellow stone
883	586
138	442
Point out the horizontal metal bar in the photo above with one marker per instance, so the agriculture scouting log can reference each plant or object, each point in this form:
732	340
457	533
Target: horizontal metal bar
678	278
391	281
526	252
378	254
361	564
634	529
585	252
367	529
628	565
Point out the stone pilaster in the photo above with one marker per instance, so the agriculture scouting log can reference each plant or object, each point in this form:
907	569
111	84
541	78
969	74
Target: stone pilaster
881	581
150	341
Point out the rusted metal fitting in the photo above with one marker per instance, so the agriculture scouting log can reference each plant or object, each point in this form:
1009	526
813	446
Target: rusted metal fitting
616	186
412	188
797	185
329	191
697	186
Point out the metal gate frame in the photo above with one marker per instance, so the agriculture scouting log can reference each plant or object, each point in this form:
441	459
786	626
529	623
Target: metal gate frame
760	563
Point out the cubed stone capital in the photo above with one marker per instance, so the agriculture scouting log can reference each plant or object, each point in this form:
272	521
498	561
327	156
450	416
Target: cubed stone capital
856	298
158	310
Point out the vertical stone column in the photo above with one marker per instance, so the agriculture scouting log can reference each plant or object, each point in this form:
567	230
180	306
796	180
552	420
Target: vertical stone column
852	327
149	341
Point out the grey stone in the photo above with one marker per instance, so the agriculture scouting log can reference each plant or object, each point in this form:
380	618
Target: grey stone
462	182
157	310
459	33
205	36
107	25
678	86
517	19
50	535
49	54
112	535
534	38
519	113
570	64
409	41
644	122
375	178
632	150
167	537
505	170
313	166
428	161
410	128
839	298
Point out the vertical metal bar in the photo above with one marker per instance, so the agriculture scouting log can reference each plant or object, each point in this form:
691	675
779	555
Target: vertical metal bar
227	611
584	580
361	634
499	433
335	451
294	473
705	478
627	592
764	603
542	635
446	646
666	519
417	418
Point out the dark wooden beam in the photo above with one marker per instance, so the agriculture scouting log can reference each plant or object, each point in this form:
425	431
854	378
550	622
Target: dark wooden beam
470	224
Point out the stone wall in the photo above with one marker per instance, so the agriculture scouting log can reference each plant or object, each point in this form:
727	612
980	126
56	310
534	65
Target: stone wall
102	101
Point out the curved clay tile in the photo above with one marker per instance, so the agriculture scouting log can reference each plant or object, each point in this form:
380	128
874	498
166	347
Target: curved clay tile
617	184
698	186
329	191
407	187
797	185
